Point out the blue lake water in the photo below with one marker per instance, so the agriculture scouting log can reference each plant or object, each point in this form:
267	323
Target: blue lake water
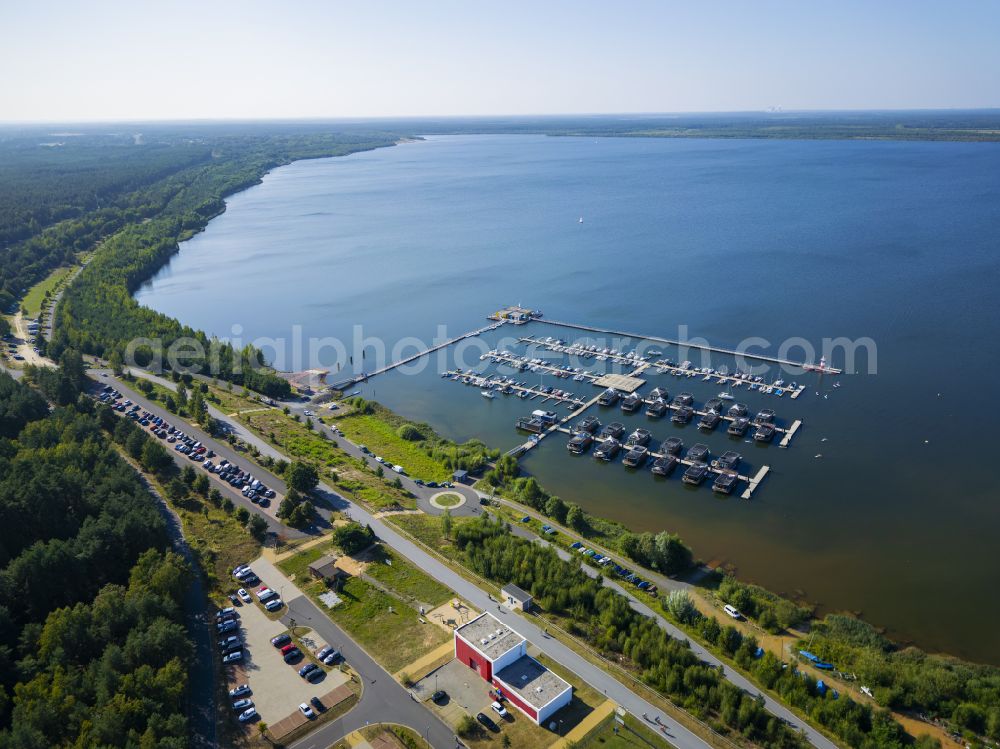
896	242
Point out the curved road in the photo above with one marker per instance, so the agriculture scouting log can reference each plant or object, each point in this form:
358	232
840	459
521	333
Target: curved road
598	678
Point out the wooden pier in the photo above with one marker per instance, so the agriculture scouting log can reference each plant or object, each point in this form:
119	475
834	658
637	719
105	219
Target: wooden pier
662	366
437	347
481	381
755	482
686	344
790	433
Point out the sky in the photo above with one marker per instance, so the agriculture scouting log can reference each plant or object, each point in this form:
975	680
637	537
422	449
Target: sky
139	60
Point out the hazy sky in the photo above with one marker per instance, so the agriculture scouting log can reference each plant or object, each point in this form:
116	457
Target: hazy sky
105	60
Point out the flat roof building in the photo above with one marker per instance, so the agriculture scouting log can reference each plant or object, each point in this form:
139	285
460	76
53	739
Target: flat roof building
515	598
499	655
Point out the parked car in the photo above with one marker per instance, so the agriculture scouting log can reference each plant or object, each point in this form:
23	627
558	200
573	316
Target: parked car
233	657
248	715
274	604
307	711
239	691
332	658
288	648
732	611
234	599
499	709
439	696
317	703
486	721
244	596
307	669
293	655
242	704
324	652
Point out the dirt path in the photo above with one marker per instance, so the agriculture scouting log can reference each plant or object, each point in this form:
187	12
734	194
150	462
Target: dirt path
24	348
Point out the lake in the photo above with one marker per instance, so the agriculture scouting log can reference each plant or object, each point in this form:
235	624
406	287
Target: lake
884	502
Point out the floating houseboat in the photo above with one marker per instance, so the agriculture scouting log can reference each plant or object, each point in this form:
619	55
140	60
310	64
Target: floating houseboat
528	424
765	416
665	465
631	402
714	404
728	461
683	415
639	437
580	443
698	453
656	409
738	410
738	427
724	483
709	421
683	399
609	397
659	394
695	474
636	456
608	449
615	429
671	445
549	417
588	424
764	432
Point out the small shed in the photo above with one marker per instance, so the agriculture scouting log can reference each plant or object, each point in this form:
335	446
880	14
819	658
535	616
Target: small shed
515	598
460	477
325	568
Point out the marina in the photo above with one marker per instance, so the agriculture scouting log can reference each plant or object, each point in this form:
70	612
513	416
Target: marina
621	390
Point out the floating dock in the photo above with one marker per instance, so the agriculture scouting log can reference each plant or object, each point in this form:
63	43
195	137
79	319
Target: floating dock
755	482
484	382
702	347
790	433
344	384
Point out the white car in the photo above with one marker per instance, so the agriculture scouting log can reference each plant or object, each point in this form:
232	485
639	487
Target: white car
398	469
732	611
499	709
274	605
248	715
242	704
307	711
239	691
244	596
379	459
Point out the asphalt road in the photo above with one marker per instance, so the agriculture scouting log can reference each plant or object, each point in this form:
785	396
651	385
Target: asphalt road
624	696
201	690
383	699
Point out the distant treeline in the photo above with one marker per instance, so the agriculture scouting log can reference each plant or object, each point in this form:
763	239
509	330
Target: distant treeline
149	197
93	650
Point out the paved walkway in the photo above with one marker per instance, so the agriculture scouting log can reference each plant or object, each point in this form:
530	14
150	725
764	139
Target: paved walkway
419	667
586	725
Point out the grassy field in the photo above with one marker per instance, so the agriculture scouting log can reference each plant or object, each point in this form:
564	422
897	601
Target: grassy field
402	577
380	437
297	566
301	443
32	301
633	735
388	629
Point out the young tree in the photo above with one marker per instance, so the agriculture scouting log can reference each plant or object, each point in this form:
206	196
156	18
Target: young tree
257	527
301	476
576	518
446	524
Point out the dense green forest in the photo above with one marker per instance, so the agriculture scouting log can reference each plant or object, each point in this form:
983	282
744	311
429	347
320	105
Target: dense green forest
133	203
92	646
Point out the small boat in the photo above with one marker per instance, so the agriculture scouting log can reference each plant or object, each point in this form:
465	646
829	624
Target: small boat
580	220
726	396
488	394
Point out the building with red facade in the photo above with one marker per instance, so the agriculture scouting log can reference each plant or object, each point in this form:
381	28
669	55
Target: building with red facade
499	655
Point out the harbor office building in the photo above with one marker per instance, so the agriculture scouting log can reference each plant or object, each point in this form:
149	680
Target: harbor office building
499	655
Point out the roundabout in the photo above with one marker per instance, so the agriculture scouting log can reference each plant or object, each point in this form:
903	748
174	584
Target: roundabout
447	500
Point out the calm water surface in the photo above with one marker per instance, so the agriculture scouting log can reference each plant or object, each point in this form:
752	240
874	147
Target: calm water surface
897	519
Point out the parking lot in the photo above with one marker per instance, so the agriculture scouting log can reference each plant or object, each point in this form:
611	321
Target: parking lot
467	692
277	688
